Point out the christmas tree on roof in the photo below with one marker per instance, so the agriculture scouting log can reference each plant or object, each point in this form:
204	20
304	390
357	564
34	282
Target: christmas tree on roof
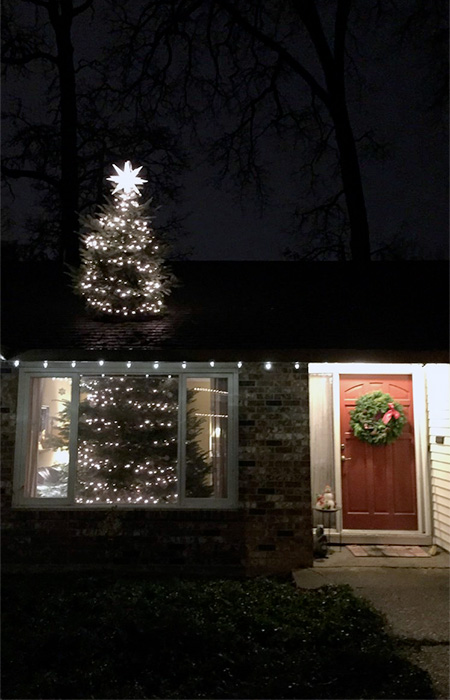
123	270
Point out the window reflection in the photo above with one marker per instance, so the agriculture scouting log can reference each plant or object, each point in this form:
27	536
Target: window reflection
206	437
48	456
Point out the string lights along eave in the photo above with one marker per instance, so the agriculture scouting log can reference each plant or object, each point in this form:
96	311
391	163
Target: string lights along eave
142	366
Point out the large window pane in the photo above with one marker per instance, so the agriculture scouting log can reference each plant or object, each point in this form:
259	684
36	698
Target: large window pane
48	437
127	440
206	437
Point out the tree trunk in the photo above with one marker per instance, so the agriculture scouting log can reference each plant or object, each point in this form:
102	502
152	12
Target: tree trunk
332	60
352	183
61	15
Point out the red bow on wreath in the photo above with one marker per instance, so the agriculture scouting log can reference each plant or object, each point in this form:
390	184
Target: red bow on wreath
392	412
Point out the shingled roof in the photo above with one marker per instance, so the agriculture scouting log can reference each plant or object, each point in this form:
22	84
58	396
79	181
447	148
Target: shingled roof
242	311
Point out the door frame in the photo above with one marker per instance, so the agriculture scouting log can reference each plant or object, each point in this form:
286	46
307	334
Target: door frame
423	534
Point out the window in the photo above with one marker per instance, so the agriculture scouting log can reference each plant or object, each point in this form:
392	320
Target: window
136	439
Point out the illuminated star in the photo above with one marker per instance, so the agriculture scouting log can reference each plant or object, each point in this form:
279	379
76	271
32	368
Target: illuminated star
127	179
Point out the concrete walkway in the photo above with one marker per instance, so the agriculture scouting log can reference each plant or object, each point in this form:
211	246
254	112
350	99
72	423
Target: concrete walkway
413	593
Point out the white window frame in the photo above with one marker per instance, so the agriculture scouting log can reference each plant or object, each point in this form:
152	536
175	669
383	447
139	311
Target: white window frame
74	371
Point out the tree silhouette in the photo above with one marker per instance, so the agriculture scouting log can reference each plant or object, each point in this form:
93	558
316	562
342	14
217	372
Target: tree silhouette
64	119
267	76
247	78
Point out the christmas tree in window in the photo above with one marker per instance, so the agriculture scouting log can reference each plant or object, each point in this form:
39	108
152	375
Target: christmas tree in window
128	442
123	271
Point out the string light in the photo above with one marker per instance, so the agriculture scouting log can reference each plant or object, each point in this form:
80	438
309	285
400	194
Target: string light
212	415
156	364
210	391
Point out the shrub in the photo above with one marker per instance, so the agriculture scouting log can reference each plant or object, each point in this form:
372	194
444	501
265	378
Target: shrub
181	639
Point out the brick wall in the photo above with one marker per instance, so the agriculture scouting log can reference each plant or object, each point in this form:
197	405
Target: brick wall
274	476
9	383
269	532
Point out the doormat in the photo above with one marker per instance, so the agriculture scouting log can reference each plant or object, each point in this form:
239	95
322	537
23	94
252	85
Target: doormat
386	550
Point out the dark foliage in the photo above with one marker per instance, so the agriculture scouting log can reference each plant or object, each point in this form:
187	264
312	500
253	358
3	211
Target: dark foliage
95	638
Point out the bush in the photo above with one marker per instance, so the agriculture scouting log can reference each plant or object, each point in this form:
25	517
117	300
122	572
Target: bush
218	639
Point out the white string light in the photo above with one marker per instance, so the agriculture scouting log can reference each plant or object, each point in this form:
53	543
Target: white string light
156	364
212	415
210	391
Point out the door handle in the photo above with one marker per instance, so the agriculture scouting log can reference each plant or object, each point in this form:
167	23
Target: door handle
345	459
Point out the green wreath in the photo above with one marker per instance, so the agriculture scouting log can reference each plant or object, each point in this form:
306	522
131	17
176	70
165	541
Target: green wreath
377	418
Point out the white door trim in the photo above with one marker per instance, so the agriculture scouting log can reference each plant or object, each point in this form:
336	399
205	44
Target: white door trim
424	530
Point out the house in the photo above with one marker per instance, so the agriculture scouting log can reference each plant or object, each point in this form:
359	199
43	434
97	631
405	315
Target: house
195	442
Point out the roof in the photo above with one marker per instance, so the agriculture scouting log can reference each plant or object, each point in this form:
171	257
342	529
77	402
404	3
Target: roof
229	311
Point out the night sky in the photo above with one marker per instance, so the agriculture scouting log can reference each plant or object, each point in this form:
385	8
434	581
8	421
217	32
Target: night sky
406	192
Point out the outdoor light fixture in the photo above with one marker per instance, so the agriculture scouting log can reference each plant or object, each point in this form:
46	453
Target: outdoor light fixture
45	364
156	365
268	365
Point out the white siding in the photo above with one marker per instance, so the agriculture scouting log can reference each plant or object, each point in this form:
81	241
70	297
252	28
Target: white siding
438	404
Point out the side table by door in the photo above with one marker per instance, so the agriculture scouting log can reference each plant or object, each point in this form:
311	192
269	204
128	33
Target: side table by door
327	524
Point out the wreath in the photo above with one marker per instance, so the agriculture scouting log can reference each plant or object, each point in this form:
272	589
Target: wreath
377	418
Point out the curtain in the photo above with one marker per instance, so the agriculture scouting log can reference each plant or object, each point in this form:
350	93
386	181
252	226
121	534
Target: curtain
36	391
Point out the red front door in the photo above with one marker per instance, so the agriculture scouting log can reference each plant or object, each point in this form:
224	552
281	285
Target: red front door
378	482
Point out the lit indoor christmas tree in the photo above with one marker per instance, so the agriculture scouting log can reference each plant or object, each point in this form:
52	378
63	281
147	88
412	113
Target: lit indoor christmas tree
128	441
123	270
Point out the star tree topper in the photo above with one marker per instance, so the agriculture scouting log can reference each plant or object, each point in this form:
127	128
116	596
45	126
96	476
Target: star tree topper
127	179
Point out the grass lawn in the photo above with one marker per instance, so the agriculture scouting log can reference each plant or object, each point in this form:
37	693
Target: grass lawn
79	637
